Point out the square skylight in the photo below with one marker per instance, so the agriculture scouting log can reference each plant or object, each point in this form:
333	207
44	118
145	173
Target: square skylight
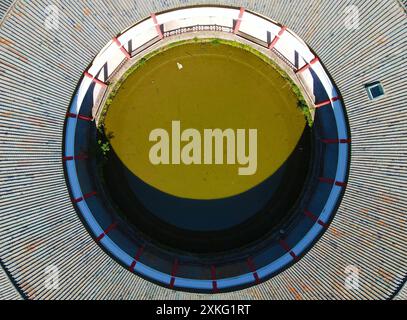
374	90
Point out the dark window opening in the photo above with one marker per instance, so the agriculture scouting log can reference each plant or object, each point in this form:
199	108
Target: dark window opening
375	90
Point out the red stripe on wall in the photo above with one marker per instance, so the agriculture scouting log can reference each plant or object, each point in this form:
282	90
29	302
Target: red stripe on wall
326	180
108	229
90	194
315	60
77	200
287	248
85	196
214	280
313	217
252	269
332	181
326	102
80	157
96	80
81	117
340	184
122	49
308	65
157	26
173	273
330	141
277	37
136	258
239	20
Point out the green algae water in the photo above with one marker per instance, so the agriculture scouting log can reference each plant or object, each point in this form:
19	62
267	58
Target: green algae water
204	85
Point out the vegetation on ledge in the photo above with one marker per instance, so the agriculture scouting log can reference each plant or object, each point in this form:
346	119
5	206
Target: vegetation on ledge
301	104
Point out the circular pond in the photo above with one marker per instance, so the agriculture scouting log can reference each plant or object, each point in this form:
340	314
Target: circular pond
195	198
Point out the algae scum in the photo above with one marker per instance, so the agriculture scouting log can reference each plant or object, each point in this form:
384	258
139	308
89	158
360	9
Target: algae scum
204	85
